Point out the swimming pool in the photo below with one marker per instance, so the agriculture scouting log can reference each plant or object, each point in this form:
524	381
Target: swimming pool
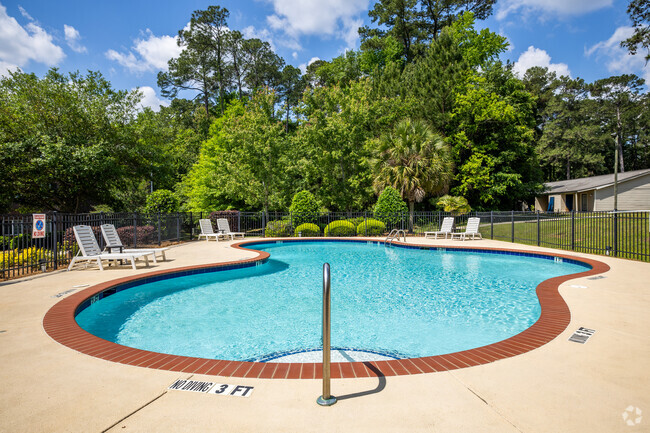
400	302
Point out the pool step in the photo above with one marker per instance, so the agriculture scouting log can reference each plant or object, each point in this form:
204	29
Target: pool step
338	355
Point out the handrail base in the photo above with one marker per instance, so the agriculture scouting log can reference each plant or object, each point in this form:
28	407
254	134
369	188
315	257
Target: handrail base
326	401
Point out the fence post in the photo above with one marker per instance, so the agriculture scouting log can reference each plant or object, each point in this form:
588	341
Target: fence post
512	230
135	230
573	229
4	261
159	234
538	237
365	223
491	224
238	221
263	224
615	246
191	226
178	226
55	246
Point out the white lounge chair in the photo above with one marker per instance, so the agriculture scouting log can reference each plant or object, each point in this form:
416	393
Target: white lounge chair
113	241
89	250
470	231
207	231
445	228
224	228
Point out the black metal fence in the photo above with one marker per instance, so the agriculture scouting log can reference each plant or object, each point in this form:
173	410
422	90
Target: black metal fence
624	235
20	254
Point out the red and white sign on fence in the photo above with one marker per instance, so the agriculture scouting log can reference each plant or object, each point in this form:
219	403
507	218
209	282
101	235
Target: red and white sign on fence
39	225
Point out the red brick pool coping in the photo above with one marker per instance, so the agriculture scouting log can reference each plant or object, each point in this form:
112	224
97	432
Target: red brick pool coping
60	324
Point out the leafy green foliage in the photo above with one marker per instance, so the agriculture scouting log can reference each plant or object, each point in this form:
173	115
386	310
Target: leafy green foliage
330	147
307	229
390	207
162	201
304	208
493	141
340	228
65	140
455	205
278	228
413	160
371	227
639	12
571	144
243	162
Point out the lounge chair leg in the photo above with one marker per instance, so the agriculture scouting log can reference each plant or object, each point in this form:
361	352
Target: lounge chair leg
74	259
99	263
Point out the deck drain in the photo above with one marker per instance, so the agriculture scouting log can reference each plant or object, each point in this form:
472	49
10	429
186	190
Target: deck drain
582	335
597	277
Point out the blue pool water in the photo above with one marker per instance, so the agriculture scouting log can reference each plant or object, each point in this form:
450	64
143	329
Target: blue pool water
404	302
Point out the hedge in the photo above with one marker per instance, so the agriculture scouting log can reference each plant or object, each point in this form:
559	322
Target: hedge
279	228
371	227
307	229
340	228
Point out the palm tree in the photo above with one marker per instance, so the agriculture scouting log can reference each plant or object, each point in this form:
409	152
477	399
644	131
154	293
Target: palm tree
414	160
455	205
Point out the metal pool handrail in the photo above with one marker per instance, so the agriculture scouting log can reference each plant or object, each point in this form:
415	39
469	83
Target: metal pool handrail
326	399
394	234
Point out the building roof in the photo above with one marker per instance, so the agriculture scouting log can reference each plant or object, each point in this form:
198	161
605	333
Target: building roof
589	183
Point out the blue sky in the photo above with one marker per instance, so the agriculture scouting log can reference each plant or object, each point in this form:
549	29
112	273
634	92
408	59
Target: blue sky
130	41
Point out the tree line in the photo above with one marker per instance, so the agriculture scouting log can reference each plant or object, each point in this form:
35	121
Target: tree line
424	106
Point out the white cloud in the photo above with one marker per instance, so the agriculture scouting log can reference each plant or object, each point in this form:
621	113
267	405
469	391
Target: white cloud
129	61
24	13
294	55
337	18
617	58
550	7
72	37
150	99
303	66
537	57
251	32
5	67
19	45
153	53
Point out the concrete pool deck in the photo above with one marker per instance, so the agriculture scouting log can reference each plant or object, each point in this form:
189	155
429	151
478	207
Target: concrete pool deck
561	386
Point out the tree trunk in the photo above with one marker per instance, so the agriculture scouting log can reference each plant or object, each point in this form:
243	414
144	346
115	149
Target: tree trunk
411	211
619	141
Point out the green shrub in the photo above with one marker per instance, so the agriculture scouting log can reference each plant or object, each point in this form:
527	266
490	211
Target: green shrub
304	208
161	201
356	221
390	207
307	229
371	227
278	229
340	228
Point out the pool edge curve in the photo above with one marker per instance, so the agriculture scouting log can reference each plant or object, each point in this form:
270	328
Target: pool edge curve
59	323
